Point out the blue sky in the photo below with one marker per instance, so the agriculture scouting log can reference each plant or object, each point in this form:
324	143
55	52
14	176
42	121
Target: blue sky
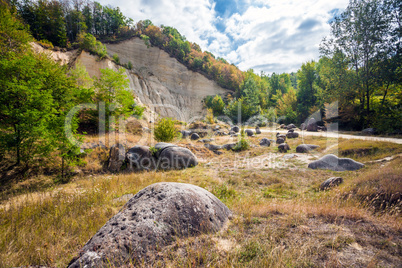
265	35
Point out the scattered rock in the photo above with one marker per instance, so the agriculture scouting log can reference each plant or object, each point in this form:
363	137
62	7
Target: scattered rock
195	136
280	140
257	130
283	148
331	182
332	162
282	136
229	146
221	133
312	125
117	155
289	156
292	135
290	126
305	148
369	131
265	142
176	157
212	147
236	129
185	133
140	158
322	128
291	130
151	220
303	126
206	140
249	132
235	135
282	126
216	128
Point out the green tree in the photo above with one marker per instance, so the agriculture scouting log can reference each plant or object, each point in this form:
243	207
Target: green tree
217	105
165	130
306	96
111	89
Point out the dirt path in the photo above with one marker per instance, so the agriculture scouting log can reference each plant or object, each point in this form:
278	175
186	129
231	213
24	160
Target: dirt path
338	135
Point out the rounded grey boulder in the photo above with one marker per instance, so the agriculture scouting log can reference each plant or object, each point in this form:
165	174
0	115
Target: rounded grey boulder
305	148
153	218
312	125
176	157
212	147
331	182
265	142
332	162
290	126
283	148
292	135
229	146
236	129
280	140
249	132
195	136
140	158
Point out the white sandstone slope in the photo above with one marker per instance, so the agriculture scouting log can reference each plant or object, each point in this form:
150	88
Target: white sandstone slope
163	83
158	81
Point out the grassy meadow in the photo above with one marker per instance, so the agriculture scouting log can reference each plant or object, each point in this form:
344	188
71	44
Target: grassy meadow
281	219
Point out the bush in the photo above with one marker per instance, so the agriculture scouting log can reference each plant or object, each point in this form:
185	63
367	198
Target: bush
243	144
88	42
46	44
165	130
116	58
209	118
129	65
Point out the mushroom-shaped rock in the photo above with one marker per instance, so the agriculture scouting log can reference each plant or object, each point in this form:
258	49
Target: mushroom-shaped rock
332	162
176	158
265	142
292	135
305	148
236	129
331	182
140	158
283	148
195	136
249	132
150	220
117	155
312	125
257	130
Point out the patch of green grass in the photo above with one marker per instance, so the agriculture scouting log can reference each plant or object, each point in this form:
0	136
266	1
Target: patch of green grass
279	190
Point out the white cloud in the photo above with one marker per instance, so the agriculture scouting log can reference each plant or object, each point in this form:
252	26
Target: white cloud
273	36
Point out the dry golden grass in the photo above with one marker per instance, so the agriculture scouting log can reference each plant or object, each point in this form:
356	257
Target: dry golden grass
281	217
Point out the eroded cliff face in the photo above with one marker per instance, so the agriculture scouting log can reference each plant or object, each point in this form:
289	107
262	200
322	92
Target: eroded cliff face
162	83
158	81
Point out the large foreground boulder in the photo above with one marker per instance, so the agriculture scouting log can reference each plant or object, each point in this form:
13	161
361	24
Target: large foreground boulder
305	148
332	162
153	218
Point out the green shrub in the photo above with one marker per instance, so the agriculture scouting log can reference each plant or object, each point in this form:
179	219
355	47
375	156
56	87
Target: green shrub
46	44
116	58
165	130
88	42
129	65
209	118
243	144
